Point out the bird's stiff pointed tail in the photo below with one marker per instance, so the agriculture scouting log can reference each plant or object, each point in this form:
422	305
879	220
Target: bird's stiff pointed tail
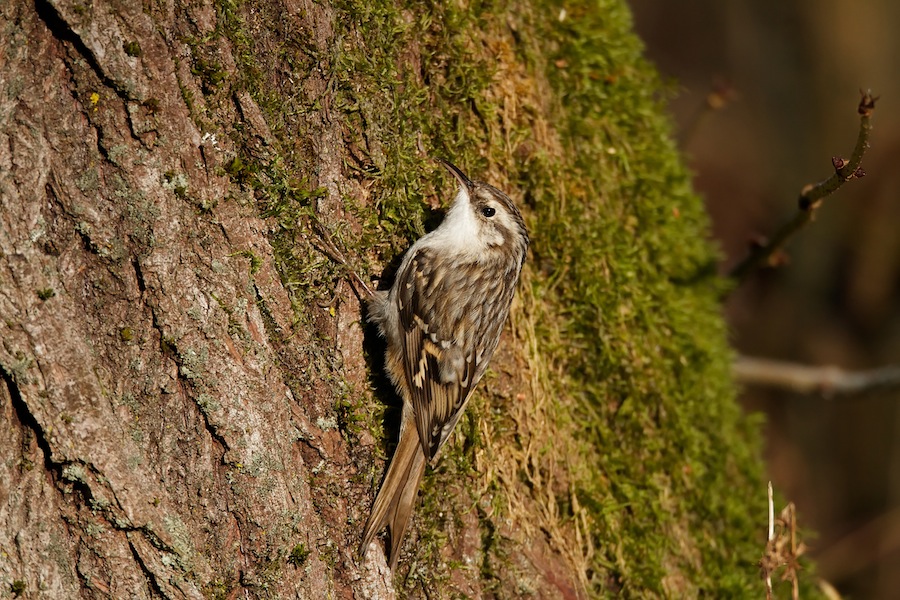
396	499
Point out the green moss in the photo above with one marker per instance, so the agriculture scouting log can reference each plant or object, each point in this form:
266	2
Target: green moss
218	589
255	261
634	412
45	293
177	182
17	588
188	97
152	105
210	72
167	346
237	170
299	555
132	48
644	352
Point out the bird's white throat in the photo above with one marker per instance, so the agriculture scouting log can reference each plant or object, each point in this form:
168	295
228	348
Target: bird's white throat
460	229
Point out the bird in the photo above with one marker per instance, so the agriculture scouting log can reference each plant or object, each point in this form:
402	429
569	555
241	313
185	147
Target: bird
442	318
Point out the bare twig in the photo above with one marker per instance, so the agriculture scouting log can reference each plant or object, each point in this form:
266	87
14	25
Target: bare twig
327	246
803	379
812	195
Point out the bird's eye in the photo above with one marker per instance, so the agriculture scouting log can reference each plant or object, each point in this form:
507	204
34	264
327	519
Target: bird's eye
488	211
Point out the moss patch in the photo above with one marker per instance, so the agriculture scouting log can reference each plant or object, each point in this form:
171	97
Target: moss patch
610	430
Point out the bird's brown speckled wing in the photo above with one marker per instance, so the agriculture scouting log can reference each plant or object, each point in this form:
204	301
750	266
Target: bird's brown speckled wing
451	315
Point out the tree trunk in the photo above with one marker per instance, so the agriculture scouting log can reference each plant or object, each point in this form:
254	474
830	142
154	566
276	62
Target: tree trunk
192	405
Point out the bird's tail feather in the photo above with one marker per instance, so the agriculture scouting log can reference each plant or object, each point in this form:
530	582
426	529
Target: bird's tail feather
396	499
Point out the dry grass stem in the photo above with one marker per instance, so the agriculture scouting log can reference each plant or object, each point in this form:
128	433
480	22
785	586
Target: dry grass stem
783	549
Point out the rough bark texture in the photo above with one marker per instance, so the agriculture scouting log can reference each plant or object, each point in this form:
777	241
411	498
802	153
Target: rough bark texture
150	445
184	375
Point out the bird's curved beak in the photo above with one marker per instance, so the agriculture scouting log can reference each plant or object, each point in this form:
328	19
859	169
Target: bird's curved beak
464	181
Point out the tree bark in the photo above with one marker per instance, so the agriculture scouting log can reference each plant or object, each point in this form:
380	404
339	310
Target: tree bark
151	447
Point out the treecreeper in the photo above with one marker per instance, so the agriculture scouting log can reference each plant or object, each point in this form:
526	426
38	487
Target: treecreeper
442	319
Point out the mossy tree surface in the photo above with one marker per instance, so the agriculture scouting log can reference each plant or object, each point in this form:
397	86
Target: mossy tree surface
603	455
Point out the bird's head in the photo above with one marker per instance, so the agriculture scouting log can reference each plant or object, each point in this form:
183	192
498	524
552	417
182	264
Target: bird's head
483	219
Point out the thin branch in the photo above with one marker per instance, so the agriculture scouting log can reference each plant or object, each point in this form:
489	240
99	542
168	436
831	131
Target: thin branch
327	247
803	379
812	195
